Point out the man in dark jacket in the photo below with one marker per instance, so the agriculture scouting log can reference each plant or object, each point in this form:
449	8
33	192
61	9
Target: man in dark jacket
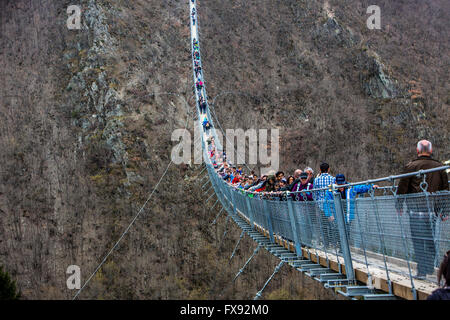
436	180
421	212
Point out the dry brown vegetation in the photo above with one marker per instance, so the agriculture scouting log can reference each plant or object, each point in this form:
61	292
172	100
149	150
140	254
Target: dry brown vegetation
84	139
317	79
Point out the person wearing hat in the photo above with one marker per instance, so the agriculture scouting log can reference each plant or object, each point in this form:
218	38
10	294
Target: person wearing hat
282	184
305	211
303	184
348	194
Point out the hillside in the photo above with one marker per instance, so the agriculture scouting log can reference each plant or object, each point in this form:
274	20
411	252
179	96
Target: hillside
87	117
359	99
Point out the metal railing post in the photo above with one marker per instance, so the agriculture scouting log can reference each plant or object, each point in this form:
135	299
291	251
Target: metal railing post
212	194
297	239
207	191
250	211
269	220
215	202
247	262
405	247
340	219
381	238
205	184
225	232
233	200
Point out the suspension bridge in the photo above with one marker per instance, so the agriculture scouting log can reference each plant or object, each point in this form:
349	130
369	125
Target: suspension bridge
373	247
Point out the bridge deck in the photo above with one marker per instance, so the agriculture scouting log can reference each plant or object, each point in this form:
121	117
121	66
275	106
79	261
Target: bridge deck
401	285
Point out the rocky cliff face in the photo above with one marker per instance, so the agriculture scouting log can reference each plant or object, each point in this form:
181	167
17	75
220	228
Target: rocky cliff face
87	117
357	98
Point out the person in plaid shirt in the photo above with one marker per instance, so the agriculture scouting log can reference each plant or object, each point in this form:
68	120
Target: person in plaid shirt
323	180
328	224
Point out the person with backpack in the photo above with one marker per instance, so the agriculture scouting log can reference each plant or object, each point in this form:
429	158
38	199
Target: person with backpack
199	84
206	125
348	195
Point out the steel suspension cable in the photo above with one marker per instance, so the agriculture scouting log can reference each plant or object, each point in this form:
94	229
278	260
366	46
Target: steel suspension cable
131	223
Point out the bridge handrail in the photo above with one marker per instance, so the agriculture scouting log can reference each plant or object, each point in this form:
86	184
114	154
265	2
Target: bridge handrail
365	182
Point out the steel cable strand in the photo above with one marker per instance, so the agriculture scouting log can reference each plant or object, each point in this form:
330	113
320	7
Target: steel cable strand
131	224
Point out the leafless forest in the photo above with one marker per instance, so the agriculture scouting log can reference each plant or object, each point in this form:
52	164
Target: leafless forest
87	116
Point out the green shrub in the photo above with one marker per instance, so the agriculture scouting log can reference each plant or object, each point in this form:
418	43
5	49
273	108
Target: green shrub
8	289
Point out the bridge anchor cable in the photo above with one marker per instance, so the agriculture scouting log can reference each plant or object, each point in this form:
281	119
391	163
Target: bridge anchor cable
215	220
235	248
247	262
277	268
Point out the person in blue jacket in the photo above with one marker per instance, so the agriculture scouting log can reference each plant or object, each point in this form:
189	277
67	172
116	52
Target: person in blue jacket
348	195
206	124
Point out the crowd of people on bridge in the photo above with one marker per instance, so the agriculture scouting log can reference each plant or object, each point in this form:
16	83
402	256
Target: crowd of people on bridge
275	186
199	85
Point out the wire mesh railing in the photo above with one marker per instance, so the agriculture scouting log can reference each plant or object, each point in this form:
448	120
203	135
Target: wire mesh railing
404	234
